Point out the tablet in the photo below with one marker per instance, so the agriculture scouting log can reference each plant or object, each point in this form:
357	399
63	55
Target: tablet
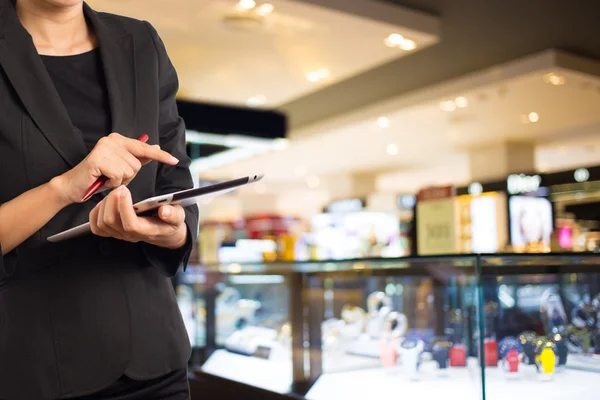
184	198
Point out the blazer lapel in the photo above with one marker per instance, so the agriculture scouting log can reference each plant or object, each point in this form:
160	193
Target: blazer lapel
27	73
117	51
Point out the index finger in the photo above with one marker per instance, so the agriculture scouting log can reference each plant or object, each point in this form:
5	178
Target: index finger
145	151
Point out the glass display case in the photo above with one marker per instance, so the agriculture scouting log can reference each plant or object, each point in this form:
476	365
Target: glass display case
464	327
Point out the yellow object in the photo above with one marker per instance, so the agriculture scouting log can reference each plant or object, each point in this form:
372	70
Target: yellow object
547	360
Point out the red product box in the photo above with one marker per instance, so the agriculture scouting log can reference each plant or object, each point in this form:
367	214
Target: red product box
458	356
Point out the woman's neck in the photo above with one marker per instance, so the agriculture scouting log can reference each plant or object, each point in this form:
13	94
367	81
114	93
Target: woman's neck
55	30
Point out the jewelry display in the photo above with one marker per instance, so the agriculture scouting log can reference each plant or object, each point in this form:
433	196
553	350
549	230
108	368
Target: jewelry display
528	340
440	352
410	351
490	351
390	340
510	350
355	319
379	305
458	355
545	359
562	350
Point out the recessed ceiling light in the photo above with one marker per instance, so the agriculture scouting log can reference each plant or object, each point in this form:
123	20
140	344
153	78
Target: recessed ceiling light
392	149
256	101
312	77
383	122
323	73
265	9
533	117
300	171
394	40
475	189
554	79
408	45
461	102
246	5
313	182
318	75
581	174
448	105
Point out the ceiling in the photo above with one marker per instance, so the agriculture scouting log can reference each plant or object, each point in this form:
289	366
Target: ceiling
267	55
420	143
475	35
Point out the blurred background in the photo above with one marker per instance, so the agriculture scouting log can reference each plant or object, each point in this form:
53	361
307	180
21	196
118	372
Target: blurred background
387	130
350	108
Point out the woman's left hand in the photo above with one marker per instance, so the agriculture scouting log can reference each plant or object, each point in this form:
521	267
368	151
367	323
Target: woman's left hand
115	217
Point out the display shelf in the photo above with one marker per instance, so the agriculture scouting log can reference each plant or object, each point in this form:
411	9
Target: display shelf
457	384
453	384
334	321
274	376
568	383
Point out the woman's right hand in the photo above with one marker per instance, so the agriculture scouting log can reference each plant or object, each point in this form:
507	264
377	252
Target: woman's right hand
115	156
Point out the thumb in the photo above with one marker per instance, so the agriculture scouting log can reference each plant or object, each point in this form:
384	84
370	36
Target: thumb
173	215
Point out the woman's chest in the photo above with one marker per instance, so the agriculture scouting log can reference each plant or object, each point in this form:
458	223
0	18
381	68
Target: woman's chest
31	153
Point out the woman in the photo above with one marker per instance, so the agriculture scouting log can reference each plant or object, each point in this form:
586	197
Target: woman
93	317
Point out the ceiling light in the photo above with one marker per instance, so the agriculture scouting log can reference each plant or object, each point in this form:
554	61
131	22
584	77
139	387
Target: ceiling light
448	105
475	189
256	101
581	175
554	79
313	182
392	149
323	73
533	117
394	40
265	9
316	76
245	5
408	45
383	122
312	77
461	102
300	171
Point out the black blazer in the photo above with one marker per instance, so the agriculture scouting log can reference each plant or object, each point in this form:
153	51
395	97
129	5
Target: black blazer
75	316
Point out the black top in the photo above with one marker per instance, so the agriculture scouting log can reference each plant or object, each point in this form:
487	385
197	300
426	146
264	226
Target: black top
79	80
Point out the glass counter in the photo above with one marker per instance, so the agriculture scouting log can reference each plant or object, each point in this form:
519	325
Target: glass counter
455	327
542	332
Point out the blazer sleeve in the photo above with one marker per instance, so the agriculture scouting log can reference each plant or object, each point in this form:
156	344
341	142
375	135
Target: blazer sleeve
8	263
171	178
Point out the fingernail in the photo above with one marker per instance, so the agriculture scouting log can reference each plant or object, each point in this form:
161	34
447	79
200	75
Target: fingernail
166	212
175	160
122	191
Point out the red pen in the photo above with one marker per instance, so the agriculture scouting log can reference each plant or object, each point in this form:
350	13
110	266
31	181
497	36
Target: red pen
102	180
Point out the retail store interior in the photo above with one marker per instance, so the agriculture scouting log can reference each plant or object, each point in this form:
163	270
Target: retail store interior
428	223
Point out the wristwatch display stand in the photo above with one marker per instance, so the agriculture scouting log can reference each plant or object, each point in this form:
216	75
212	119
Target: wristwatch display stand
452	328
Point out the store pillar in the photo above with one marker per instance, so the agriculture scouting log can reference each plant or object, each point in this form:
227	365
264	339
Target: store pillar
497	161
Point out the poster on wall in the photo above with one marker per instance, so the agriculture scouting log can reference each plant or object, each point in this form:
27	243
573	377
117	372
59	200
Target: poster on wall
436	221
530	221
484	230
